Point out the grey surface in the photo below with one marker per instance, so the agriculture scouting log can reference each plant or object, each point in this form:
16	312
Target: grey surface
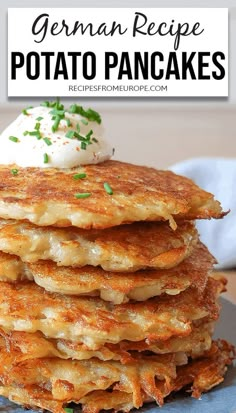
222	399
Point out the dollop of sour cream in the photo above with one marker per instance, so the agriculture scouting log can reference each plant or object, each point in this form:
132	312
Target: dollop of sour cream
52	149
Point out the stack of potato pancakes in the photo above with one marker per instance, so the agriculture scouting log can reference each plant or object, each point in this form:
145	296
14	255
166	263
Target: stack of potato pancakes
106	297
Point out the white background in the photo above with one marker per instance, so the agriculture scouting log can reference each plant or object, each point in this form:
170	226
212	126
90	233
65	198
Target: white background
231	4
213	22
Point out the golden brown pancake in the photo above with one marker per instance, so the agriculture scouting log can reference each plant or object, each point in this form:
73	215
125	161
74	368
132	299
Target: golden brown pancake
52	383
125	248
72	380
196	377
94	322
115	287
48	196
36	345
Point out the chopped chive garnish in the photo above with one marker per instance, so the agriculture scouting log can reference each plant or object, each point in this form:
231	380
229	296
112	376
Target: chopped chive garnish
70	134
45	104
13	139
56	123
84	121
68	122
73	108
78	127
90	114
95	140
35	133
39	118
24	111
45	158
79	176
47	141
83	146
83	195
88	136
108	188
57	112
80	137
14	171
37	126
55	104
68	410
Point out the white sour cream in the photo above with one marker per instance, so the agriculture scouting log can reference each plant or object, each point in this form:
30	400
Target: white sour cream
63	152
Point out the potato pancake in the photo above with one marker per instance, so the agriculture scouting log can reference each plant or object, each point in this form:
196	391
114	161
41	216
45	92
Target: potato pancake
125	248
115	287
52	383
36	345
27	307
53	197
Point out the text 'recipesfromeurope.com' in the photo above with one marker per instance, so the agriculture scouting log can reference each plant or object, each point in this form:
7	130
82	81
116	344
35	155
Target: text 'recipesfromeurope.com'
117	88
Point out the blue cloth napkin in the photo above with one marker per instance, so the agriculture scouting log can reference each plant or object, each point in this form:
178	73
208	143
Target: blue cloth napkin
218	176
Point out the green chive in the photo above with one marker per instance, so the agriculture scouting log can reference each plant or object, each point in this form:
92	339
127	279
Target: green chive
47	141
57	112
88	136
79	176
108	188
83	146
80	138
70	134
35	133
73	108
84	121
37	126
24	111
46	103
83	195
45	158
55	104
14	171
26	133
68	122
68	410
78	127
39	118
56	124
13	139
90	114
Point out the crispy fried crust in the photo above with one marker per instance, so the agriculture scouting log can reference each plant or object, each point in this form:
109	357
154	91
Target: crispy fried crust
115	287
140	381
47	196
125	248
94	322
36	345
70	379
197	377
